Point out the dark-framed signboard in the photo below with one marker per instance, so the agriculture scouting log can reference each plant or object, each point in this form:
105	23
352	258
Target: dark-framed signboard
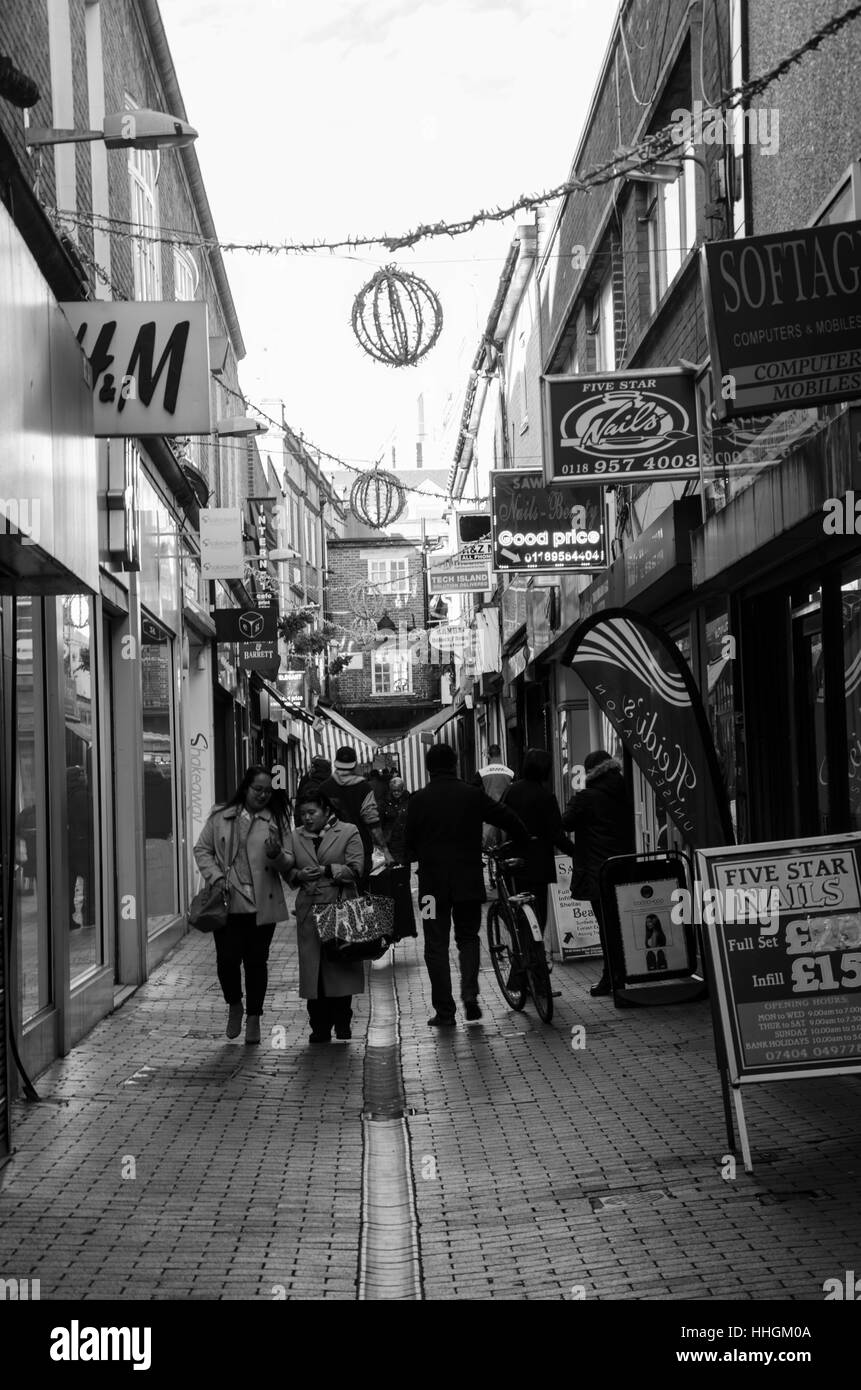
541	530
784	928
646	943
621	427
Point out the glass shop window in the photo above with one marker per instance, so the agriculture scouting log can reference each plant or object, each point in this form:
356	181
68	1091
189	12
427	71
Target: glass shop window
162	880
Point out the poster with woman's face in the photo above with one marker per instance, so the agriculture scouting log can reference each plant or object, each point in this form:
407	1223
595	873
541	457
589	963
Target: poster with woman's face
653	944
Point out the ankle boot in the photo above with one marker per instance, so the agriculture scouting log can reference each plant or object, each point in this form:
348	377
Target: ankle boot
234	1020
252	1028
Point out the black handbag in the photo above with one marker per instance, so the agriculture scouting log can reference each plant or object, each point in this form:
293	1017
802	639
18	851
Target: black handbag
208	909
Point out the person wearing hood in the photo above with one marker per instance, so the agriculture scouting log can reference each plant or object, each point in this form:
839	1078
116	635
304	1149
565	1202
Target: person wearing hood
318	772
602	819
494	777
354	802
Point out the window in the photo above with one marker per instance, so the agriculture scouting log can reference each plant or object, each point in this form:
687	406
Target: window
393	580
671	221
391	673
82	780
157	672
143	196
605	346
185	274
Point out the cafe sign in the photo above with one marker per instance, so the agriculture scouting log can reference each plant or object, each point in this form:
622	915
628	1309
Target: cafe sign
149	364
783	314
537	529
636	426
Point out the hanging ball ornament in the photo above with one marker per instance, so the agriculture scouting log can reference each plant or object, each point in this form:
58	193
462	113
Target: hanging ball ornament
377	499
397	318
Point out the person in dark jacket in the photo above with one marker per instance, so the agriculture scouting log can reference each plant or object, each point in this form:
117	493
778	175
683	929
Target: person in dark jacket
319	770
535	804
394	881
602	818
353	799
443	833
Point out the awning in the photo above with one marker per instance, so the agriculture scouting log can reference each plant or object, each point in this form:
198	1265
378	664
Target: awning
434	722
333	731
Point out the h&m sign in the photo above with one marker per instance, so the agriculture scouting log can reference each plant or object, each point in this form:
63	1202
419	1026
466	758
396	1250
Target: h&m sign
149	364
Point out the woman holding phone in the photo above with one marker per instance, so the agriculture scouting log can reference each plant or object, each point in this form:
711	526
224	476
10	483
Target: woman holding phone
244	842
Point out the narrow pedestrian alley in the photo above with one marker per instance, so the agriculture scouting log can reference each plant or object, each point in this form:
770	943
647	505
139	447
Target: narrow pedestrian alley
493	1161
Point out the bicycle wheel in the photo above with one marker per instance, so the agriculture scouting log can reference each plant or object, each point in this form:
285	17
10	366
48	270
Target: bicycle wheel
504	955
535	961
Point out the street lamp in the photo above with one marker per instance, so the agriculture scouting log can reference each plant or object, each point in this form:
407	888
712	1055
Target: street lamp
122	130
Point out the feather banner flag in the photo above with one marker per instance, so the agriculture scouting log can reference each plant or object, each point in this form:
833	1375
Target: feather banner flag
644	686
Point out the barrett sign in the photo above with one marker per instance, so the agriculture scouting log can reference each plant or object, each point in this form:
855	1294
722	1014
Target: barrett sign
149	363
641	426
542	530
784	314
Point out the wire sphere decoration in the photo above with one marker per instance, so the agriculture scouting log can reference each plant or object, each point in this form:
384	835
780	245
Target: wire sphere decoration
377	499
364	632
397	318
366	601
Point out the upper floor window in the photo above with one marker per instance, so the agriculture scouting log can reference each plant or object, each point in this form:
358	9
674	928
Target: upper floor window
393	578
185	274
605	328
671	222
392	673
143	197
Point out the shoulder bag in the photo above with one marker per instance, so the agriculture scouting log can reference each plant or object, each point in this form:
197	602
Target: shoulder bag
209	908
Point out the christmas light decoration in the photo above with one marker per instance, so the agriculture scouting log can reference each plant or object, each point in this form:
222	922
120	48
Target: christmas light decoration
397	318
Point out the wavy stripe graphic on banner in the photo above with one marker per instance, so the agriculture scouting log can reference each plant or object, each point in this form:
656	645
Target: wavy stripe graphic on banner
624	647
853	675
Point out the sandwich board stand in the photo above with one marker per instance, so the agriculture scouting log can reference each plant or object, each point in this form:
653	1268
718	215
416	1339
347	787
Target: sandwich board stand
650	958
782	921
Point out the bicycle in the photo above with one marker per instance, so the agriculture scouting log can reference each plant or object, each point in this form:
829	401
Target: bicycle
515	942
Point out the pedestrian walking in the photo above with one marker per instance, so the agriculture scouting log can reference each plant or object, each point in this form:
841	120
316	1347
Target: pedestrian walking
244	842
443	834
353	799
602	818
531	798
494	777
325	855
319	770
394	881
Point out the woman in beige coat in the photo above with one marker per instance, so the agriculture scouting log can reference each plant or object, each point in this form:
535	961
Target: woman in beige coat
325	855
244	842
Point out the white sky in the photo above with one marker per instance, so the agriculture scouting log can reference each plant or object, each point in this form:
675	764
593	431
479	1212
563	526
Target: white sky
339	117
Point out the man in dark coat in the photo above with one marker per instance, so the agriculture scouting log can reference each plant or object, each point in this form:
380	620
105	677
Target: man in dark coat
353	799
533	801
602	818
443	833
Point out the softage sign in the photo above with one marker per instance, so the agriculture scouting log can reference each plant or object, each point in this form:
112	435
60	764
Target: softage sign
542	530
640	426
784	314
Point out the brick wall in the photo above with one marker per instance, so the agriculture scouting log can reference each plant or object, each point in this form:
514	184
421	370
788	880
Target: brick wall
347	568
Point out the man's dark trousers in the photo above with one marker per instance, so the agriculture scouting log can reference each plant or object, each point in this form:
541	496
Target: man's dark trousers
437	930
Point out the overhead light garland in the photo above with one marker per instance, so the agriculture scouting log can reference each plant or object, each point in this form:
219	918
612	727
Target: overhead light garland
655	146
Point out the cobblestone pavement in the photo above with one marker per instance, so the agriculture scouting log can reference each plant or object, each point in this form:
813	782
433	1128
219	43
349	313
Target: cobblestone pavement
539	1171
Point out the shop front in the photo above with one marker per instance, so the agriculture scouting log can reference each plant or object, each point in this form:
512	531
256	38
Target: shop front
55	912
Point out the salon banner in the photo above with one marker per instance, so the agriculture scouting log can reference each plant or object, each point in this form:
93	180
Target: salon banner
784	922
645	687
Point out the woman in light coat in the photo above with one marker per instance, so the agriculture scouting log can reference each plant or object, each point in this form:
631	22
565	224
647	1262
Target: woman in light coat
244	842
325	855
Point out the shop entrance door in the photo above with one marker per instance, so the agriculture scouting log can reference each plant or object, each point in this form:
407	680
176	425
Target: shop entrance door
811	751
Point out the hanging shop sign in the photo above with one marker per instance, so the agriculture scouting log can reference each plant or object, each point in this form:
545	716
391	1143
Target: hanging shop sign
462	573
631	426
149	364
645	688
541	530
783	314
574	922
222	547
246	624
784	922
119	475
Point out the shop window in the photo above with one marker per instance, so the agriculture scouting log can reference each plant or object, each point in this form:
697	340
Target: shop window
719	700
32	920
81	772
811	783
157	665
851	607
